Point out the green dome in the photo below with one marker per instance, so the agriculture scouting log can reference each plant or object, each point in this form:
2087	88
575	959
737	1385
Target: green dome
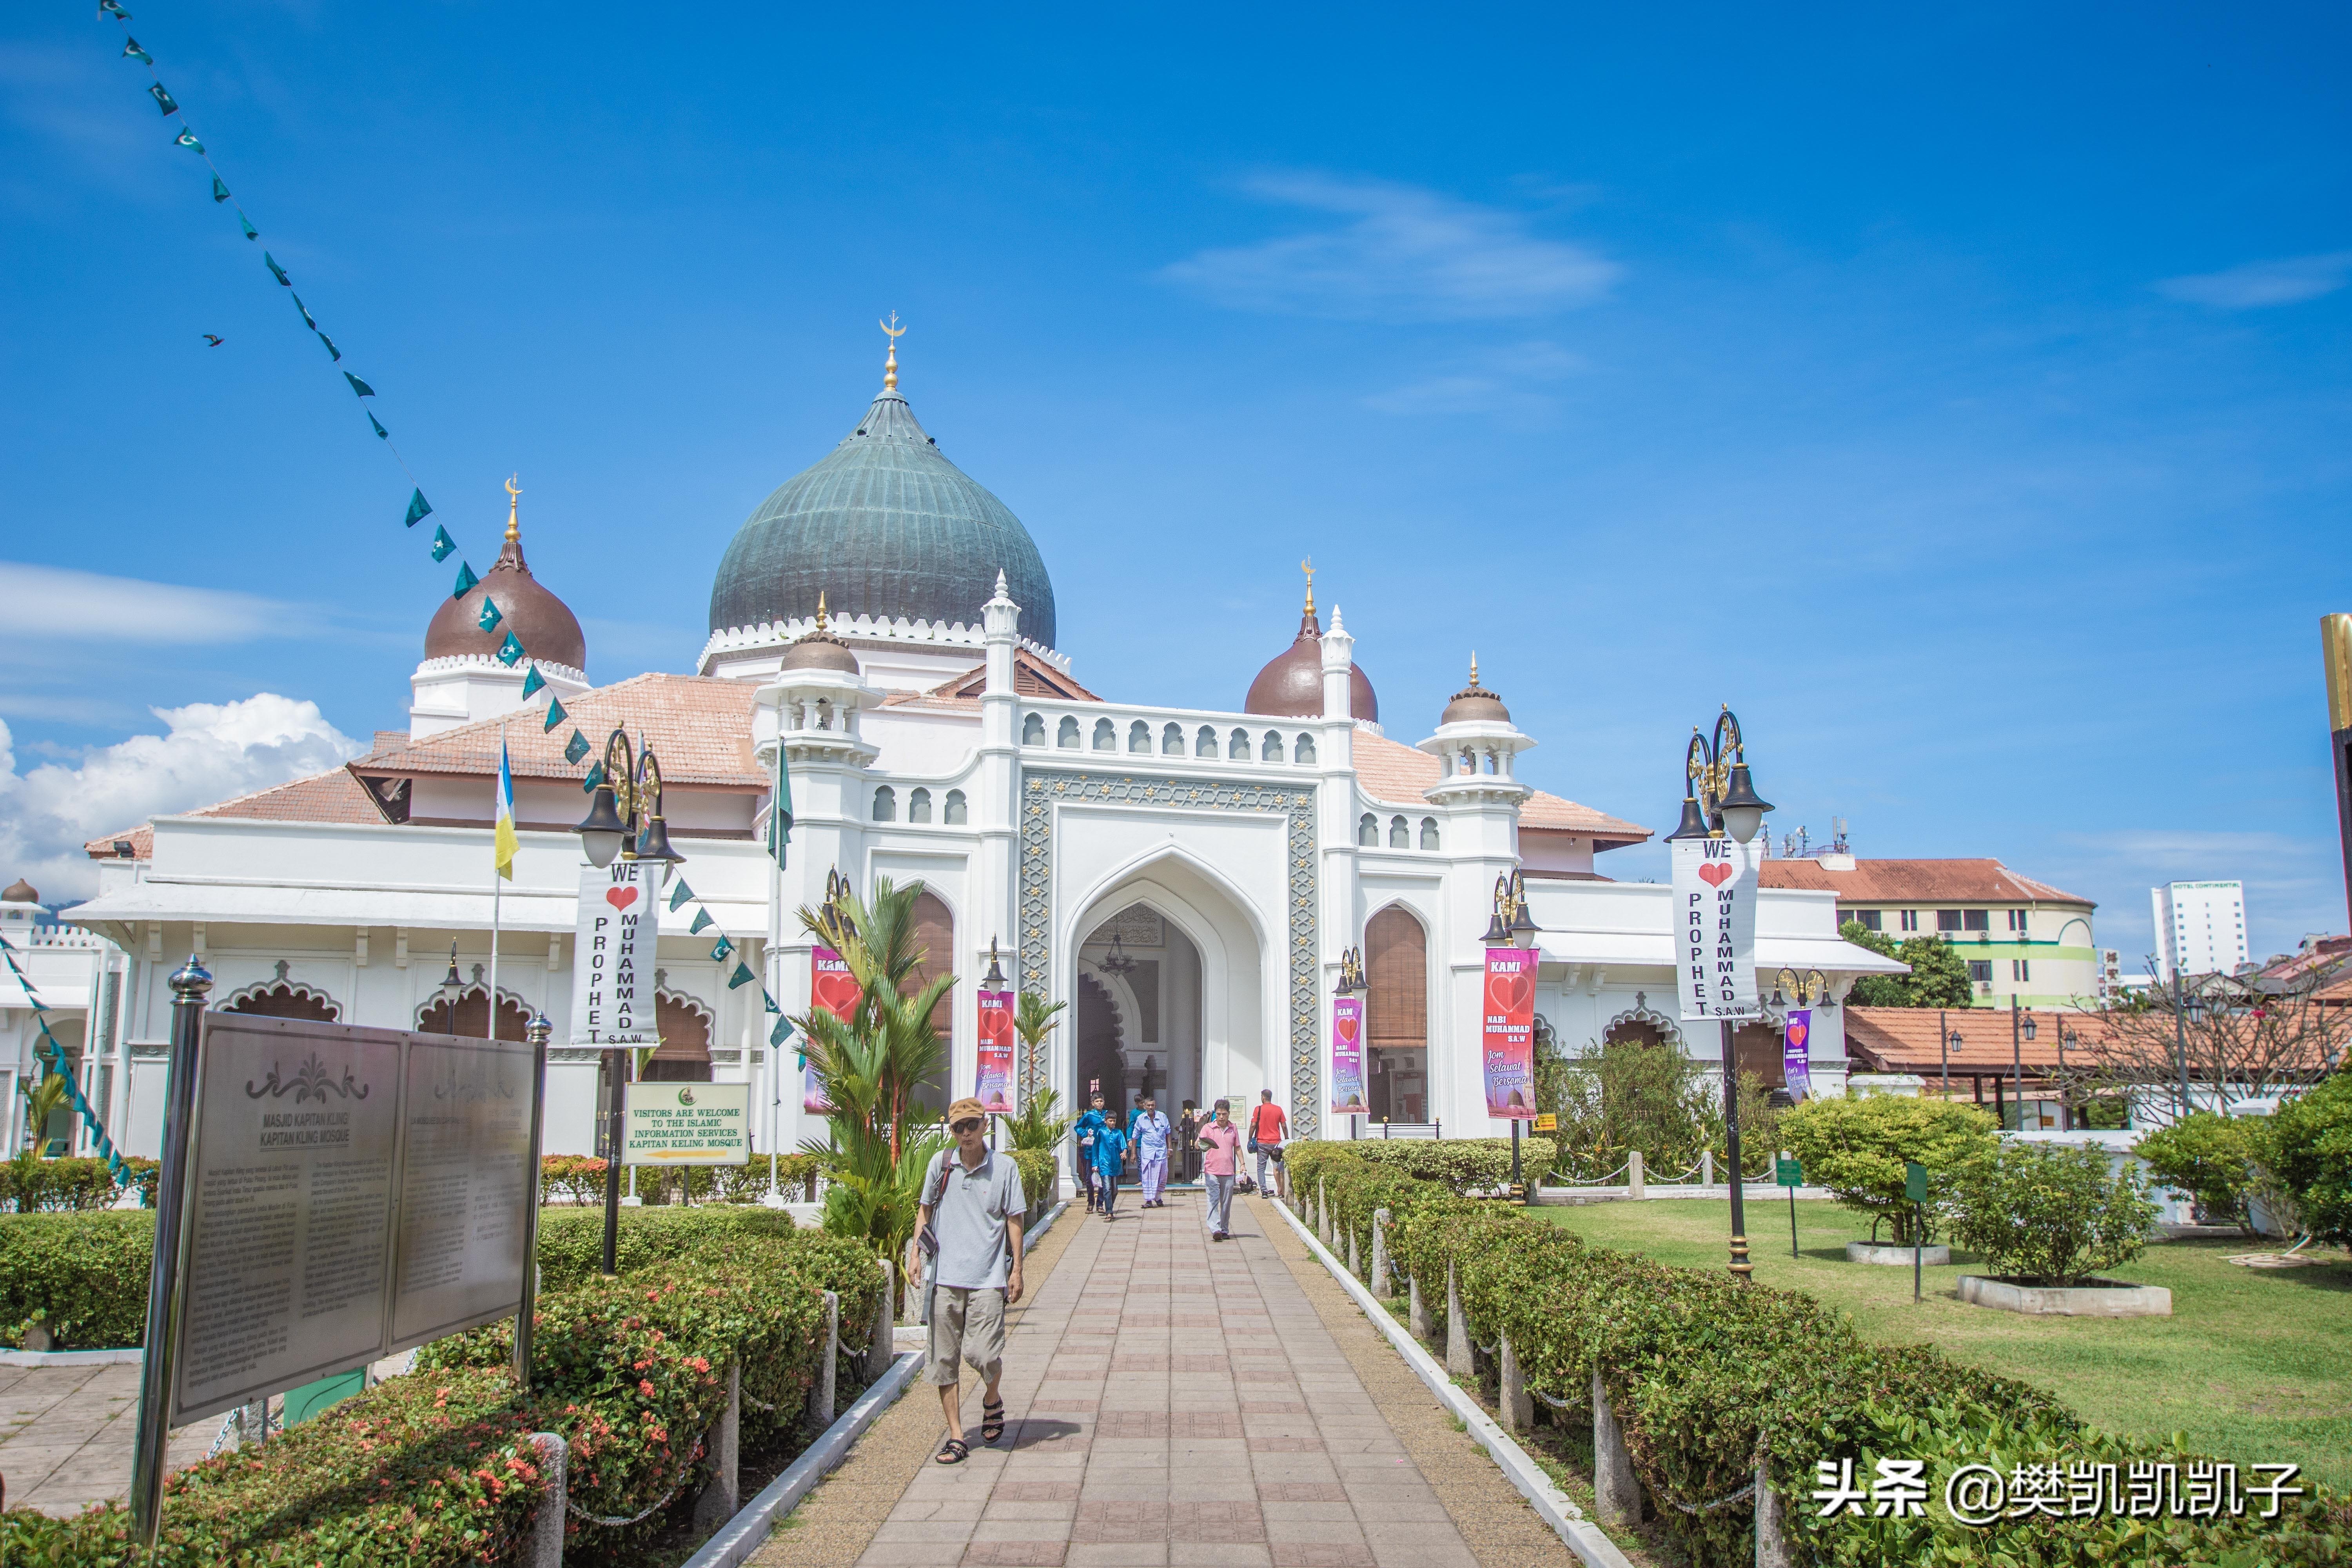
884	526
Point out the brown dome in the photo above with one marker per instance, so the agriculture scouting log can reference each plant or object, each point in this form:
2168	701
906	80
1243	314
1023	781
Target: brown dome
1291	687
818	648
539	621
19	891
1473	704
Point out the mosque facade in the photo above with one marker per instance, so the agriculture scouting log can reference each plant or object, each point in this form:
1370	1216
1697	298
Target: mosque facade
1187	879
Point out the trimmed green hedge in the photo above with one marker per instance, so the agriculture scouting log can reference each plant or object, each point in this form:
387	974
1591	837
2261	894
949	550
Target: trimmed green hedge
1464	1164
1705	1375
31	1185
86	1274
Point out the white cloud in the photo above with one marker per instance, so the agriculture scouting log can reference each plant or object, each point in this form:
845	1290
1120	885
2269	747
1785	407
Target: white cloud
1500	380
210	752
1406	254
60	604
2293	885
2257	284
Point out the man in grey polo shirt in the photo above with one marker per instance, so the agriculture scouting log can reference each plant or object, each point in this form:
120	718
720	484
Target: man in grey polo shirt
974	1194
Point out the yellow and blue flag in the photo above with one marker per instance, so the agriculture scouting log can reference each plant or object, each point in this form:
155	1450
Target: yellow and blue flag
504	842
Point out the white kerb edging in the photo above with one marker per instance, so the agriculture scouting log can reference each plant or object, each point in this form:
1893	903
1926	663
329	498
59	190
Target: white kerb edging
1558	1509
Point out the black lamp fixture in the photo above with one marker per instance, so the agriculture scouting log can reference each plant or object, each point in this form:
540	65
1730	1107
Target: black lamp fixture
1115	960
832	916
1351	974
624	813
1953	1039
1509	924
1719	797
453	986
1812	989
2030	1029
994	978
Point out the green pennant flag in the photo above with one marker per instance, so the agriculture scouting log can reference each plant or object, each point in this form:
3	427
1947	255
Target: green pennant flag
511	651
701	920
555	713
333	352
780	812
131	51
720	949
246	223
277	271
595	776
781	1032
680	896
307	320
41	1006
220	191
771	1001
162	100
742	976
188	138
381	433
113	8
419	509
466	581
576	748
492	615
358	388
533	682
443	545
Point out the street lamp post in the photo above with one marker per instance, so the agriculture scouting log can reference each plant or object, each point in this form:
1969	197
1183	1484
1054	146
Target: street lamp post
1719	798
2191	1007
624	820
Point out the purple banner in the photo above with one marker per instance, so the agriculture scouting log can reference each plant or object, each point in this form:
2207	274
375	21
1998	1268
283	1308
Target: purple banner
1347	1057
1796	1053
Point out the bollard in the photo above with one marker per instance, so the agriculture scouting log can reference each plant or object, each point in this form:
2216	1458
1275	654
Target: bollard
724	1495
1706	1167
1381	1290
820	1403
1458	1358
1416	1314
546	1546
1633	1174
1772	1537
910	1302
879	1357
1614	1491
1355	1263
1323	1201
1516	1406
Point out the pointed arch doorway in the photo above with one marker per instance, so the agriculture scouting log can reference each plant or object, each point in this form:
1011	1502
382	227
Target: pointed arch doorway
1138	1007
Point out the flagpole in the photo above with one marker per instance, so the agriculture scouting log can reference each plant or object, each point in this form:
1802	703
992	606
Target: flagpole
775	935
497	804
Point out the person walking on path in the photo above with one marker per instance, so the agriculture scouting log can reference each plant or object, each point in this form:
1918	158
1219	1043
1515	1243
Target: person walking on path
1188	1139
1091	1123
1151	1133
1221	1151
969	1221
1267	1124
1110	1156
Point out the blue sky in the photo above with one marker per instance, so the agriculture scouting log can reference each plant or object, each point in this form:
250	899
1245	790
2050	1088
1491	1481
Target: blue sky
1962	400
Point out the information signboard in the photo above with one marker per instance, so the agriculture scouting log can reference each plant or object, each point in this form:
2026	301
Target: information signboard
1788	1172
687	1124
464	1181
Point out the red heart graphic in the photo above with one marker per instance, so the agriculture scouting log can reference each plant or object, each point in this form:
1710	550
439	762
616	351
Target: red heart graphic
1346	1029
1719	873
838	993
1510	993
621	897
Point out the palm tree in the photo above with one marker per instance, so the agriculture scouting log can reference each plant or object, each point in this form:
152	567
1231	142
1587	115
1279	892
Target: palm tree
1033	1021
41	1102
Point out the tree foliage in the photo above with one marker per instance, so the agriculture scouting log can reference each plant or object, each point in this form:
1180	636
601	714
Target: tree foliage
2206	1159
1613	1098
1857	1149
2259	1034
2046	1214
2310	1151
1938	977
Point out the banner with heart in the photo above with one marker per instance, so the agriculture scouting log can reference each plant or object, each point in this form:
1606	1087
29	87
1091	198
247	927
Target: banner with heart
1796	1053
831	989
1715	883
613	958
1508	1041
1347	1057
994	1088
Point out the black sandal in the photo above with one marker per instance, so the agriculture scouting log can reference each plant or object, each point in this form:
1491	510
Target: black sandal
952	1452
991	1421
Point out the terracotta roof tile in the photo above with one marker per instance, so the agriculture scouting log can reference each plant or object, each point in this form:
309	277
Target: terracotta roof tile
1396	774
334	797
142	844
700	727
1032	677
1905	1039
1918	882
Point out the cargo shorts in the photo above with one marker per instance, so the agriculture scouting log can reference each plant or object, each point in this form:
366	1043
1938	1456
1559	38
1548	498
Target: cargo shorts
966	1324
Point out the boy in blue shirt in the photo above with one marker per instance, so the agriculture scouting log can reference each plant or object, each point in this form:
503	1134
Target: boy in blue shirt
1088	1129
1110	1154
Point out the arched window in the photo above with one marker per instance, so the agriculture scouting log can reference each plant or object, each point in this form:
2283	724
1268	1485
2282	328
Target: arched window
1303	753
1469	760
955	813
286	1000
1368	831
1033	729
1172	742
474	1015
1238	746
919	806
1206	745
684	1056
1106	738
1398	837
1138	737
934	935
1396	1014
1490	762
1067	735
1429	833
1270	750
886	805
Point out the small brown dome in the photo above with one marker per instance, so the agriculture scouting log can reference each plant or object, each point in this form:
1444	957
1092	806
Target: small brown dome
1291	687
1473	704
19	891
818	648
539	621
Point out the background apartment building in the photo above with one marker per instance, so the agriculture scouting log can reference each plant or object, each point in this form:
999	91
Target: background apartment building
2200	927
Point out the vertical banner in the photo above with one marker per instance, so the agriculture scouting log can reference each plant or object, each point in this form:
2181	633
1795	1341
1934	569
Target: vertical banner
831	989
613	958
1715	927
1796	1053
994	1088
1347	1057
1508	1052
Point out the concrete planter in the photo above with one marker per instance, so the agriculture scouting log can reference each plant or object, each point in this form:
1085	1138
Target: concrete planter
1896	1256
2107	1299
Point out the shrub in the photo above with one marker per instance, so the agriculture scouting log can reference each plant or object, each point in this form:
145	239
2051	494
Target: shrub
85	1273
1630	1094
30	1186
1464	1164
2206	1159
1857	1149
141	1176
571	1245
2310	1151
2047	1214
1040	1174
576	1178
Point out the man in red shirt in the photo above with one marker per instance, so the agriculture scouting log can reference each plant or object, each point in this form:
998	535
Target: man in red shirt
1266	1126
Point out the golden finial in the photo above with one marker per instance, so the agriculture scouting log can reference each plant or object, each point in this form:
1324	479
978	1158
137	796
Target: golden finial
890	365
1308	566
514	499
1473	667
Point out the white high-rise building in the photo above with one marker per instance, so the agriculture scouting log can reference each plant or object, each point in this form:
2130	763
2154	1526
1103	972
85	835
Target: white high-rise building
2200	927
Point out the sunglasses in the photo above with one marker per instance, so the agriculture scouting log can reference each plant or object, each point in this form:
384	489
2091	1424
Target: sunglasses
969	1124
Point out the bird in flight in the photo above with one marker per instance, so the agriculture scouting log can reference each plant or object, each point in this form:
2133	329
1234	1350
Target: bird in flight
212	340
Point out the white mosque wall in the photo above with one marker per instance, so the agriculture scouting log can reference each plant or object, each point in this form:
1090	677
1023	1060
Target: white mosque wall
921	743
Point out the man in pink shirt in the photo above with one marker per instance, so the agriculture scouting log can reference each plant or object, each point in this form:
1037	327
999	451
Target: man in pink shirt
1220	1144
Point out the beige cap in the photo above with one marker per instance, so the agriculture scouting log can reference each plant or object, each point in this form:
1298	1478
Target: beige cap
966	1106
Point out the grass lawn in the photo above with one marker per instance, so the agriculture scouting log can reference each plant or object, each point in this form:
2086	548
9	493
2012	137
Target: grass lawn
2255	1364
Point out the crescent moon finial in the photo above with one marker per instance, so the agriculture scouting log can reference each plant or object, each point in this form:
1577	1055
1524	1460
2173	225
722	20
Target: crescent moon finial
514	501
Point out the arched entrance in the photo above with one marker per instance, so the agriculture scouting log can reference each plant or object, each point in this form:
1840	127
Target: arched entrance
1396	1016
684	1025
473	1019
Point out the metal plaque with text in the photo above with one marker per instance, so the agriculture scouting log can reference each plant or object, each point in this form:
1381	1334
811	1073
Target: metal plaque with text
465	1178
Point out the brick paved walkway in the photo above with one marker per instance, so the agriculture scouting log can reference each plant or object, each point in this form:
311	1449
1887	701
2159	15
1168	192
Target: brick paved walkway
1174	1402
66	1434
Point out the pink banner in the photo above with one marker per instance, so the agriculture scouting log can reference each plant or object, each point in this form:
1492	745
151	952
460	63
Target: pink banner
1508	1047
834	989
1347	1057
996	1086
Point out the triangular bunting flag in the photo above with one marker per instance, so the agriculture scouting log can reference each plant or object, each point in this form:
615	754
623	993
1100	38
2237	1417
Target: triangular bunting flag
131	51
701	920
113	8
188	138
247	223
576	748
680	896
534	681
595	776
492	615
771	1001
277	271
555	713
333	352
358	388
781	1032
466	581
220	192
720	949
742	976
381	433
162	100
419	509
443	545
511	651
307	320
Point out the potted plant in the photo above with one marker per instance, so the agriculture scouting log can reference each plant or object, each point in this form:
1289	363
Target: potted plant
1858	1148
2047	1218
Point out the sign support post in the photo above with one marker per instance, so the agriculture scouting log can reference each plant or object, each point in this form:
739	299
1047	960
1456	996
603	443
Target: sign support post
167	1274
1914	1187
536	1032
1790	1175
621	1062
